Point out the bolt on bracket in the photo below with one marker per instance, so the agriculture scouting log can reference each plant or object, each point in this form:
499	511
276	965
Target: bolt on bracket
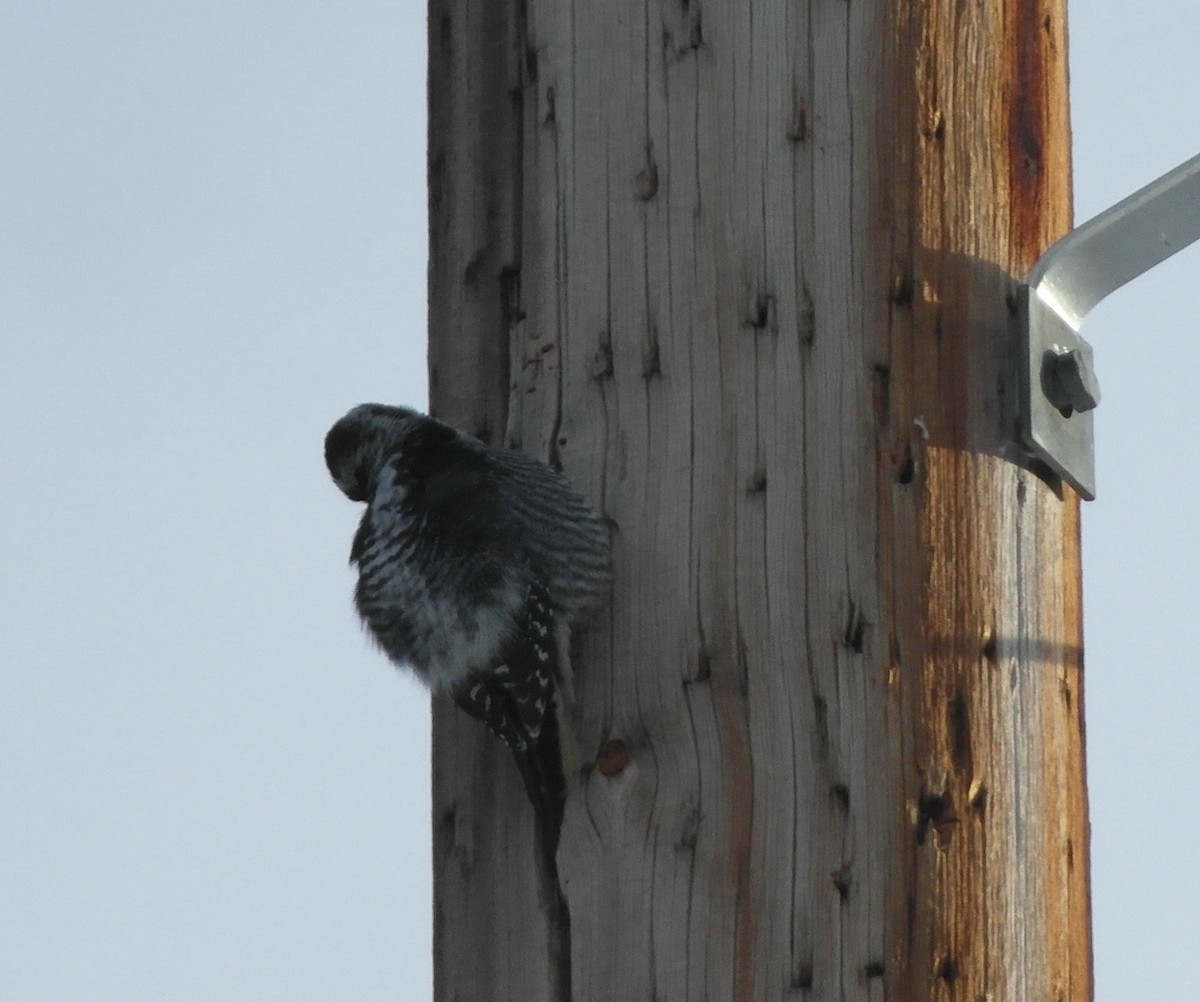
1058	385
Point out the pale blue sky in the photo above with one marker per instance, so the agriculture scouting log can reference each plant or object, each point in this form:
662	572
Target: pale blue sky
213	244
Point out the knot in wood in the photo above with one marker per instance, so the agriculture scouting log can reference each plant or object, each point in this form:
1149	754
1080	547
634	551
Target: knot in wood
614	758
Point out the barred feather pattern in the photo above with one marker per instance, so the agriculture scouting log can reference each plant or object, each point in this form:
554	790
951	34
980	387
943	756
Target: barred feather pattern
470	558
567	544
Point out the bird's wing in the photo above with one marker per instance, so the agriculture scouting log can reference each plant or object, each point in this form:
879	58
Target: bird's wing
566	540
452	485
516	700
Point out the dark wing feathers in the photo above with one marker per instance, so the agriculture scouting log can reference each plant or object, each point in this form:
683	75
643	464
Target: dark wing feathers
453	489
516	701
494	499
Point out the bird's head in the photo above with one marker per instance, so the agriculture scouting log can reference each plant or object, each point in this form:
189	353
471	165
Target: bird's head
357	445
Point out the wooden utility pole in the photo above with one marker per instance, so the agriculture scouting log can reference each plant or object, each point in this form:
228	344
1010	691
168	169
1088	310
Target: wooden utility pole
746	271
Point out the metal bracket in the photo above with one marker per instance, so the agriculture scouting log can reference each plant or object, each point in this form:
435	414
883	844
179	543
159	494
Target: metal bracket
1058	387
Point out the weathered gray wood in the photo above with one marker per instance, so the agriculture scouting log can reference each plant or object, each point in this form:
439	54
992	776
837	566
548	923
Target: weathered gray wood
744	271
491	940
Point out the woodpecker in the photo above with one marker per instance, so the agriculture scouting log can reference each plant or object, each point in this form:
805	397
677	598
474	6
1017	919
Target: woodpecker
473	562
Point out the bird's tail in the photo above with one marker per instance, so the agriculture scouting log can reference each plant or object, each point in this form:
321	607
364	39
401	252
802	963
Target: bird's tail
537	752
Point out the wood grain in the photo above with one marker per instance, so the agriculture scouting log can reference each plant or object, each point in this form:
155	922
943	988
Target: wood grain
745	272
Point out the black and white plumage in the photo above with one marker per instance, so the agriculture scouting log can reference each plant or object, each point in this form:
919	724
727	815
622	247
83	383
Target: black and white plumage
470	560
